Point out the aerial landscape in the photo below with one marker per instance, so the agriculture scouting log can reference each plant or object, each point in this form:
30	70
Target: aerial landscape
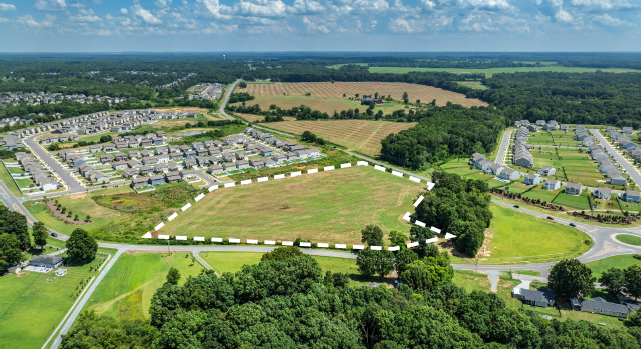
320	174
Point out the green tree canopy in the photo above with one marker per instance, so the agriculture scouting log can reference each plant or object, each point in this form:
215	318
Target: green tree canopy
81	246
10	252
571	279
281	253
40	234
173	276
372	235
613	279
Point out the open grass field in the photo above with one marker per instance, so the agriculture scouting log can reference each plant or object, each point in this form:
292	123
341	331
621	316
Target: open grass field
558	137
328	207
79	204
473	84
363	136
6	178
465	279
629	239
508	239
490	71
539	193
621	262
126	292
323	104
32	307
350	89
572	202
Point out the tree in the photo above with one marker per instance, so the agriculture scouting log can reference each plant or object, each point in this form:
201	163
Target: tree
633	280
428	273
242	84
397	238
371	262
421	234
15	224
405	95
53	147
173	276
571	279
88	218
81	246
10	252
613	279
281	253
372	235
39	234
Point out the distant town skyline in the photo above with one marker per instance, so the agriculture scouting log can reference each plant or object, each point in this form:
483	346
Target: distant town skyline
323	25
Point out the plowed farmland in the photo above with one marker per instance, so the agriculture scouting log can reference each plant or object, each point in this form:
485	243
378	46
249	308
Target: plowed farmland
360	135
336	90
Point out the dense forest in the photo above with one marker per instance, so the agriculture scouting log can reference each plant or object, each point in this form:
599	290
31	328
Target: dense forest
286	301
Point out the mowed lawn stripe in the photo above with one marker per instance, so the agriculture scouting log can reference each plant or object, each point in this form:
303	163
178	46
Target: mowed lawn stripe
328	207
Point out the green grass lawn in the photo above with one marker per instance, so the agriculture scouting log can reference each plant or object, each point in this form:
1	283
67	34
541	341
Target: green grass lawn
328	207
24	182
16	170
538	193
461	168
572	202
489	71
621	262
466	280
126	292
629	206
629	239
6	178
541	237
32	298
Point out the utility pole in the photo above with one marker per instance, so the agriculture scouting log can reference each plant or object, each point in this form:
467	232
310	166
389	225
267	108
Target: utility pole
477	267
168	252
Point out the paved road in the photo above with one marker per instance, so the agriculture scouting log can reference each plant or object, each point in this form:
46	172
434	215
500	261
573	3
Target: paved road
503	147
44	156
85	299
634	173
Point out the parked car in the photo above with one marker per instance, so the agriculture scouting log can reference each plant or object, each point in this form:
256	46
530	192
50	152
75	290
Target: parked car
54	235
550	218
573	225
516	206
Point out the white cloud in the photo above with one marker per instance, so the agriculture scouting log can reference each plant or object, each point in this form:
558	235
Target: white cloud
217	10
312	27
603	5
608	20
261	8
490	5
78	5
145	15
563	16
50	5
307	7
123	11
371	7
85	16
400	25
7	7
30	22
3	20
104	32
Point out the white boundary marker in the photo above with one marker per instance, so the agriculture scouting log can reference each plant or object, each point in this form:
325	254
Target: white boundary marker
449	236
419	223
346	165
280	176
147	236
358	247
216	239
436	230
380	168
234	241
159	226
406	217
182	238
430	185
199	197
362	163
288	243
295	174
197	238
397	174
270	242
229	185
418	201
253	242
329	168
393	248
262	179
429	241
184	208
173	216
414	179
376	248
322	244
212	188
245	182
313	170
163	237
412	244
305	244
340	246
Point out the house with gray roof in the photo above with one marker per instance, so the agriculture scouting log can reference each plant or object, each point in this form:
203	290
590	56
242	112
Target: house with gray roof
509	174
547	171
573	188
482	165
496	169
631	196
600	306
46	261
551	184
603	193
540	298
531	179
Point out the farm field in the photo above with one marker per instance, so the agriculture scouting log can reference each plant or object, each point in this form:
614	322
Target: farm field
336	90
472	84
328	207
126	291
323	104
363	136
507	238
31	297
621	262
490	71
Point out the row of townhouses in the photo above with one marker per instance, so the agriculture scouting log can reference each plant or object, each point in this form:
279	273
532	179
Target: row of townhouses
520	153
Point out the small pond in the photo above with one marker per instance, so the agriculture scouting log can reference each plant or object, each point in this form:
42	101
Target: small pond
188	133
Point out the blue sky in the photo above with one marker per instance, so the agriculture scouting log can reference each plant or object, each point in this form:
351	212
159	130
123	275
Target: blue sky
319	25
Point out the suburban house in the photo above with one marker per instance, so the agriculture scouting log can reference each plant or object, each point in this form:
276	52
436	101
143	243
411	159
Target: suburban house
482	165
549	127
187	174
619	180
540	122
627	131
242	164
603	193
46	261
580	136
215	169
172	177
599	305
229	166
150	160
588	141
119	165
106	158
189	163
611	129
631	196
130	173
573	188
546	171
495	169
531	179
146	170
94	148
509	174
161	168
541	298
551	184
580	127
565	127
532	128
157	180
120	156
139	183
